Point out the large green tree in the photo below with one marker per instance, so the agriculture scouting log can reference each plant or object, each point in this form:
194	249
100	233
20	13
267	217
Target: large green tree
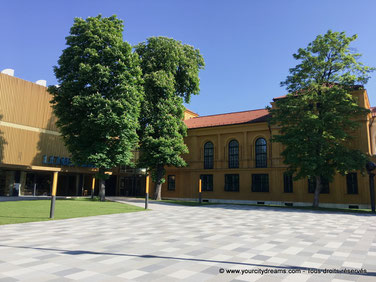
317	118
98	101
170	72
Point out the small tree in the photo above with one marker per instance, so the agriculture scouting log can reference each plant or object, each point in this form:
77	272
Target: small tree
315	121
170	72
98	100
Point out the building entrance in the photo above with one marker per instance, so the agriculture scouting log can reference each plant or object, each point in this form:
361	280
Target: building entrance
37	184
132	186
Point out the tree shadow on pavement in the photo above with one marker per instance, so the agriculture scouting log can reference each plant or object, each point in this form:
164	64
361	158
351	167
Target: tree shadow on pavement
146	256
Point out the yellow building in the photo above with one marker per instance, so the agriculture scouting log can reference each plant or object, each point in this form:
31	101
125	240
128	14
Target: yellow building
231	153
233	156
31	148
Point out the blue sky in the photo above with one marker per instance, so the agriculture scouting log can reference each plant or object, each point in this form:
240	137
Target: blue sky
247	45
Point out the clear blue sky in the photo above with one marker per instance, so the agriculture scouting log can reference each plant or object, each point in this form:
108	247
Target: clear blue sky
247	45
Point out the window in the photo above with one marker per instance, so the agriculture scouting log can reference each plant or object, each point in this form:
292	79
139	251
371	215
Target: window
312	185
261	152
352	183
287	182
260	183
208	155
206	182
233	154
232	182
171	183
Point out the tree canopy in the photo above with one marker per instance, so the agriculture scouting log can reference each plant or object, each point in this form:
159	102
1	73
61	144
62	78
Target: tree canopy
170	73
98	98
316	120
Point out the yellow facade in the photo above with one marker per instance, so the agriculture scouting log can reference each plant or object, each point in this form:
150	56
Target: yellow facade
187	178
31	148
29	137
189	114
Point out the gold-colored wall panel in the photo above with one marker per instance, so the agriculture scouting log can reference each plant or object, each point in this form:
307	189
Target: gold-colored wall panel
23	147
187	187
27	124
25	103
246	134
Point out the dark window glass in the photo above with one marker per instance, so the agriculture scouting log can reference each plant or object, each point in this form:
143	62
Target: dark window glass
261	152
208	155
206	182
171	182
312	185
233	154
232	182
287	182
260	183
352	183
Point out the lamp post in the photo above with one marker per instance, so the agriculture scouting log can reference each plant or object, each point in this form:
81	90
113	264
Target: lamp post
199	191
147	192
92	187
370	166
53	195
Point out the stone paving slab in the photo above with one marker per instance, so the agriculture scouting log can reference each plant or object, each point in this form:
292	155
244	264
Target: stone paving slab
192	243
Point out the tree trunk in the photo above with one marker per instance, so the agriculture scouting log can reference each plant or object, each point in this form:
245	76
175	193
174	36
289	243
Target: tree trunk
158	183
102	190
317	192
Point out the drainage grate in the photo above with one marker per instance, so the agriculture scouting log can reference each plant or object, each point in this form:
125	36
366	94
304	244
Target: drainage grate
261	203
353	207
289	204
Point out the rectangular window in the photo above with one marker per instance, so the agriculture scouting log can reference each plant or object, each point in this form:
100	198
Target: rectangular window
206	182
312	185
171	182
233	160
232	182
287	182
208	155
352	183
233	156
260	182
208	162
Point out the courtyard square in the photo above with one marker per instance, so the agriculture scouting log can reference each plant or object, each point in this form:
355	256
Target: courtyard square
192	243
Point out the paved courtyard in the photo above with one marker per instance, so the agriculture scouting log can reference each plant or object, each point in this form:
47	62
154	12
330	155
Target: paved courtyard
182	243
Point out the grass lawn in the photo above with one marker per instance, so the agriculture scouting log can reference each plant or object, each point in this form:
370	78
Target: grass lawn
307	208
39	210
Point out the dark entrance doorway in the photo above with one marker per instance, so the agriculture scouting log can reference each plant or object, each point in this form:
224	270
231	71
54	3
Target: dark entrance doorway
132	186
66	185
38	184
111	186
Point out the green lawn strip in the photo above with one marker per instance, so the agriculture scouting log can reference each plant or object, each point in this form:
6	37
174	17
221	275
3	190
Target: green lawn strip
39	210
307	208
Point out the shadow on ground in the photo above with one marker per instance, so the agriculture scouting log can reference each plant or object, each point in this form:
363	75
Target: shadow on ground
284	267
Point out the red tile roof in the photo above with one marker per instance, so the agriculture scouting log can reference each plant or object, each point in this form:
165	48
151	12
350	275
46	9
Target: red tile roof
227	119
280	97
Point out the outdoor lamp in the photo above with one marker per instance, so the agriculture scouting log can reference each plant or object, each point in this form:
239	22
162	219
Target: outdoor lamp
370	166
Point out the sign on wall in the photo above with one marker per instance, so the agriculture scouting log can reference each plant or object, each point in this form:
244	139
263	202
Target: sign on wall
61	161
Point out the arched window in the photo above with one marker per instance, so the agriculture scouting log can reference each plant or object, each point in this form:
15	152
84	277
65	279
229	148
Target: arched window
208	155
233	154
261	153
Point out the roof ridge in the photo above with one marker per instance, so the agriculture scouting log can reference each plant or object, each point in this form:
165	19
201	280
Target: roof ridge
229	113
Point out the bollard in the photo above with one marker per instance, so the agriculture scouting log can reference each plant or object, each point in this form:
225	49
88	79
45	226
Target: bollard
372	191
92	188
199	191
370	166
53	195
147	192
